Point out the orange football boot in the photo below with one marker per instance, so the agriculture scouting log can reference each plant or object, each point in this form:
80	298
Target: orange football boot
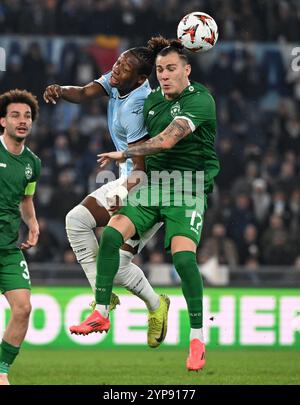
196	359
93	323
4	379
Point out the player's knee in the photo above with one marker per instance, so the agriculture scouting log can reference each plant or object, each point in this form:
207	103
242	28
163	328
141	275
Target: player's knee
70	219
183	262
21	311
79	219
111	240
178	261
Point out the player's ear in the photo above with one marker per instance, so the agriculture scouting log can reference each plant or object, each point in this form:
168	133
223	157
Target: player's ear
188	69
3	122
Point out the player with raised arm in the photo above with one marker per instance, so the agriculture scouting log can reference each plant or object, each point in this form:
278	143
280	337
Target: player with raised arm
181	120
19	171
126	87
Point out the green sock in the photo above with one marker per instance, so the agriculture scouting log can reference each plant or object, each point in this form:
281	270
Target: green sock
191	284
8	353
108	260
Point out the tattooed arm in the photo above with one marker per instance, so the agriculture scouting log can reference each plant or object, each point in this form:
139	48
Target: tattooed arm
177	130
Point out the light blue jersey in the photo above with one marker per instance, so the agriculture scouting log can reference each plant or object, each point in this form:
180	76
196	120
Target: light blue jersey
125	117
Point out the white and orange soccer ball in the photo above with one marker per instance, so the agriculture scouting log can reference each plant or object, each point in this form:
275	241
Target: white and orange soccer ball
198	32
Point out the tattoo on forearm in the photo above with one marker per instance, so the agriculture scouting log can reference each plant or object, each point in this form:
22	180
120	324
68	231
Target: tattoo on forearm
177	129
149	147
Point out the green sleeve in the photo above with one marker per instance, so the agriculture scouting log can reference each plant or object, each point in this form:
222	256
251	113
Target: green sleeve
31	186
37	170
198	108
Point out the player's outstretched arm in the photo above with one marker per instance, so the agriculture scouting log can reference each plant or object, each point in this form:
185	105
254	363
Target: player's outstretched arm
28	216
177	130
74	94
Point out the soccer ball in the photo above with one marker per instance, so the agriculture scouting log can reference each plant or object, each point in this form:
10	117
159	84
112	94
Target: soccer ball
198	32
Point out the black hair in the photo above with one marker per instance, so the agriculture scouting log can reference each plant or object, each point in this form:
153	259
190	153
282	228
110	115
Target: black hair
146	55
175	46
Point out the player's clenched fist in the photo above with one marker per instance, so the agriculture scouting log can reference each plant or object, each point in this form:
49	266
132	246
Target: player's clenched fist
52	93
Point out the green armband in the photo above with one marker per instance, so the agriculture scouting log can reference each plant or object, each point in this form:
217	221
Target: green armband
30	188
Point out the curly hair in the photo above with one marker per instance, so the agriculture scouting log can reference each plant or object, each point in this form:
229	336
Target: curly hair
18	96
159	45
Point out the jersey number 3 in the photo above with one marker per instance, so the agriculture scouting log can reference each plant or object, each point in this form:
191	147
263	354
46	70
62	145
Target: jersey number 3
25	273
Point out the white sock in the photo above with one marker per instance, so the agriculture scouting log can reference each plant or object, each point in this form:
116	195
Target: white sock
103	309
196	334
90	270
79	227
133	278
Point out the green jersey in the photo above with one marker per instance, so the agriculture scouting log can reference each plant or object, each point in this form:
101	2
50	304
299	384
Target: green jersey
18	176
194	153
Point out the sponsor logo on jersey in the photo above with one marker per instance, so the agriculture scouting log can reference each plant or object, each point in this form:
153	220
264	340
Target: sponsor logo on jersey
151	112
137	111
175	109
191	88
28	172
3	164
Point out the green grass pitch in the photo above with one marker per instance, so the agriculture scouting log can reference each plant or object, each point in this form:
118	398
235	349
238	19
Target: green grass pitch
153	366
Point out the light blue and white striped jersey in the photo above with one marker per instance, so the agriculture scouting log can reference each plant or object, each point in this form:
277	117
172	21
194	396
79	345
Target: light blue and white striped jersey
125	117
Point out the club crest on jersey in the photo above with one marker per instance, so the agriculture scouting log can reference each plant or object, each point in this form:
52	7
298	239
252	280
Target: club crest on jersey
175	109
28	172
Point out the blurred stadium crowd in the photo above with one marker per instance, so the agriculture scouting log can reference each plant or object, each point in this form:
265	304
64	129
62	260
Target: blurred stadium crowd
238	20
254	213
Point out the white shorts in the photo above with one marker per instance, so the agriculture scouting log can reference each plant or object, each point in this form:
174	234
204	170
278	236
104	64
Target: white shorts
101	192
100	195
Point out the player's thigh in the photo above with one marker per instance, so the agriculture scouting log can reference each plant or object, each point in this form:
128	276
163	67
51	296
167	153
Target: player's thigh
96	202
100	214
184	221
143	218
147	236
101	192
122	224
14	272
182	243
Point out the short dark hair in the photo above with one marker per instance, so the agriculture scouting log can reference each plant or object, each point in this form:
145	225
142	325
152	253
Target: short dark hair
174	46
18	96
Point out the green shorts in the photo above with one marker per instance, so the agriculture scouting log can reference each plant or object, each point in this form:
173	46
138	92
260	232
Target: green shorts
14	272
179	219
